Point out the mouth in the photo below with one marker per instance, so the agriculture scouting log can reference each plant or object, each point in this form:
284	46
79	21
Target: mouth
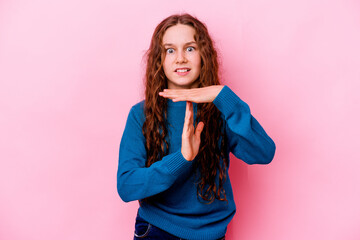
182	70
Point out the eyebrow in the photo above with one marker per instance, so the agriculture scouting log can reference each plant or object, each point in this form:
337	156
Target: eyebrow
171	44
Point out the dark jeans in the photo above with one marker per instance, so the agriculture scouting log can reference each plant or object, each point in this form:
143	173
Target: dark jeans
147	231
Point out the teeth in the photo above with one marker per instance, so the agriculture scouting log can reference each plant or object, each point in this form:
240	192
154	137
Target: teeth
183	70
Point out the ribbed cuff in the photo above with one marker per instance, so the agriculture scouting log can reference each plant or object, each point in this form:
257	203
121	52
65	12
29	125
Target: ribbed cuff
227	100
177	163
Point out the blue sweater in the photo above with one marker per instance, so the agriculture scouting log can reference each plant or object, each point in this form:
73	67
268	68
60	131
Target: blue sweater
177	209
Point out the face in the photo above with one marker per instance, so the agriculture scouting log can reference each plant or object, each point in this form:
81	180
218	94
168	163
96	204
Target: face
182	61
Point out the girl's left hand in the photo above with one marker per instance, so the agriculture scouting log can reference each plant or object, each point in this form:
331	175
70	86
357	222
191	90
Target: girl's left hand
197	95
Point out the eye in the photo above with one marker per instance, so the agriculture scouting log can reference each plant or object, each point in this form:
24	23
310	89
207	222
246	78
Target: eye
190	49
169	50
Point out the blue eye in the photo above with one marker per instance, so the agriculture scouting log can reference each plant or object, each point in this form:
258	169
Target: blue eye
192	49
169	50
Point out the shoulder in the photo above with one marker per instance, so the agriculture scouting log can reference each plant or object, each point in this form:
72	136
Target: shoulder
139	106
137	111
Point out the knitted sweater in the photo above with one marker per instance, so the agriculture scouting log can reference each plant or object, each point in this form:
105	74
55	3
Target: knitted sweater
177	208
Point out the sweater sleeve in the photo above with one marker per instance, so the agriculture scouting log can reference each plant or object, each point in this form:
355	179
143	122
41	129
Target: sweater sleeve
134	180
247	139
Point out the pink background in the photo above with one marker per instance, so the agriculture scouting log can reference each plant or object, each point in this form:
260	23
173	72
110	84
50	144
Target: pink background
71	70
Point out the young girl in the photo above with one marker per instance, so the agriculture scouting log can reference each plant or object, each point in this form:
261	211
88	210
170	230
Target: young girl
174	152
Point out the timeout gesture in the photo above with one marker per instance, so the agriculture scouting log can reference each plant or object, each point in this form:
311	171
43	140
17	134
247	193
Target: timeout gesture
191	137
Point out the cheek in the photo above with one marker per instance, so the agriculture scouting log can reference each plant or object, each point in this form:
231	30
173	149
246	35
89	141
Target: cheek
167	65
197	62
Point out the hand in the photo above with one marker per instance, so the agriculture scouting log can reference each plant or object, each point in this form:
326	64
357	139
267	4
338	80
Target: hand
197	95
190	141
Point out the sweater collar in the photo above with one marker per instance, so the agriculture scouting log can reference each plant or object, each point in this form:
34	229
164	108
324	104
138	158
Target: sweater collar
176	104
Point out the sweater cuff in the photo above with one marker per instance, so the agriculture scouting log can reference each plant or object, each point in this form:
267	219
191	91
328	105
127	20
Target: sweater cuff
227	100
177	163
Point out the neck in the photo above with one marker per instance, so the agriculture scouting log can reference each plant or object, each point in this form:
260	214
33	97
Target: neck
195	84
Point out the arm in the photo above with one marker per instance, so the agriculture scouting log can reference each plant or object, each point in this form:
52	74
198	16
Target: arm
247	139
134	180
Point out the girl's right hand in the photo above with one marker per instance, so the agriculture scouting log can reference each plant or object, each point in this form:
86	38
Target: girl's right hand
190	140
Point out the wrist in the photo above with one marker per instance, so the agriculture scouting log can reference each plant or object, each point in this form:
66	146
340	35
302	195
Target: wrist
187	158
218	90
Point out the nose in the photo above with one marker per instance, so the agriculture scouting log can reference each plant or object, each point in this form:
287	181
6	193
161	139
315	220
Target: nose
180	57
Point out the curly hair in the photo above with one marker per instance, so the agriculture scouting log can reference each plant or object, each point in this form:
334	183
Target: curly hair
211	164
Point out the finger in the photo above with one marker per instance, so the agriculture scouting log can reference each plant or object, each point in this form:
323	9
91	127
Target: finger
177	94
186	97
199	129
191	95
186	121
168	93
174	96
173	92
191	110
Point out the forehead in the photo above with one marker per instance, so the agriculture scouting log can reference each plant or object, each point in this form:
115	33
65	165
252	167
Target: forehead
179	34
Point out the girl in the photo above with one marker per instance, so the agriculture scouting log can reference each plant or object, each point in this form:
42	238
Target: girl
177	167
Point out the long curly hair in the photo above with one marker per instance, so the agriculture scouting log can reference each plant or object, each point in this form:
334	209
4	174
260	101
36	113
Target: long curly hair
209	167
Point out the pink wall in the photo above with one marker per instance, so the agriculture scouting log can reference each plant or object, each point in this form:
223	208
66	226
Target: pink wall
71	70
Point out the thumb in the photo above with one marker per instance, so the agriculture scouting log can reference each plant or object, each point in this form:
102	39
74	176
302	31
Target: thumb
199	129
